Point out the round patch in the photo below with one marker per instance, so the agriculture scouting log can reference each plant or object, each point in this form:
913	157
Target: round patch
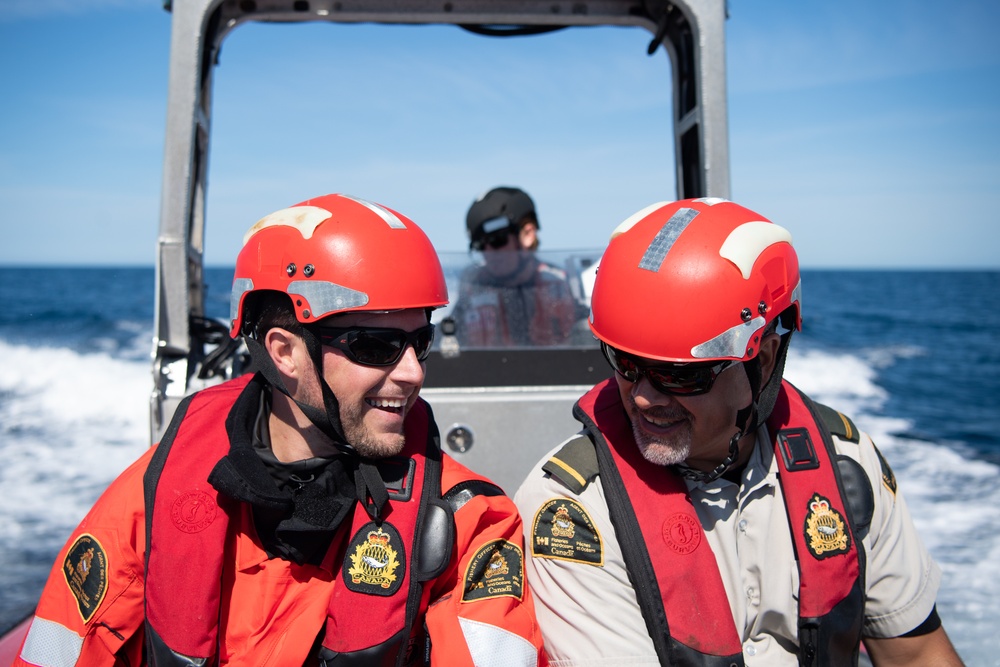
681	533
194	511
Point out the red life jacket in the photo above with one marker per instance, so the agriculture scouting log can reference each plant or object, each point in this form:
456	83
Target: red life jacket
678	584
187	521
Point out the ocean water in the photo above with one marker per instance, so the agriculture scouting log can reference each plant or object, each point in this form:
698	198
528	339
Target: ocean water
913	357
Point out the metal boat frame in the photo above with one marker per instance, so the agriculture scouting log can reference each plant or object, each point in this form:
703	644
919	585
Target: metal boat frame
477	395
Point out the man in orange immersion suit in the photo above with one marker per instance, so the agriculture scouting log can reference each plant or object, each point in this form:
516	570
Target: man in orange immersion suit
303	514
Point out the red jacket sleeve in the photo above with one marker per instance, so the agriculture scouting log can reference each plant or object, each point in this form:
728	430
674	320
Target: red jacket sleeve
481	610
91	609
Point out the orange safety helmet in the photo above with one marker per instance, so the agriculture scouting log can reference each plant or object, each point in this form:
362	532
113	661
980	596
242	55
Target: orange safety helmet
695	280
334	254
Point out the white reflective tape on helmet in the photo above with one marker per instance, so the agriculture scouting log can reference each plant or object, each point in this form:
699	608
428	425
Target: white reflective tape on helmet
746	243
50	644
491	646
384	213
303	218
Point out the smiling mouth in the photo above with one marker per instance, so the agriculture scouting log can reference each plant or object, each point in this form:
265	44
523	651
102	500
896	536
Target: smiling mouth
388	404
661	422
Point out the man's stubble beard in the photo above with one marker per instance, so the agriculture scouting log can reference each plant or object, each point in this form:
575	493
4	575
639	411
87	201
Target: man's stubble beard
363	440
660	451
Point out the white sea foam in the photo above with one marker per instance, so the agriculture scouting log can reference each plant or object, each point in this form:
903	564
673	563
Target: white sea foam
953	498
70	424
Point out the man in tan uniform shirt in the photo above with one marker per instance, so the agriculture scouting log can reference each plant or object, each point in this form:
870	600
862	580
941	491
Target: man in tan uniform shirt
674	530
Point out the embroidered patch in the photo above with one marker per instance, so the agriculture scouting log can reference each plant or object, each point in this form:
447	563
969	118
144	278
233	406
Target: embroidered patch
495	571
193	512
888	479
825	529
86	572
681	533
563	530
375	560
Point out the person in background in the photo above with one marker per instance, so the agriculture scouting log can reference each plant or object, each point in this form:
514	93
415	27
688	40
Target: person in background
303	514
709	513
511	298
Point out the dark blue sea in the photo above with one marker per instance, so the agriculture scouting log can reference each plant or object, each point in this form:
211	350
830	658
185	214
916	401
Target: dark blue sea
913	356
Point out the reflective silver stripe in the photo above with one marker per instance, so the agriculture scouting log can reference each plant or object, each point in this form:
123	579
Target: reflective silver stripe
240	287
384	213
491	646
50	644
665	238
325	297
494	224
731	343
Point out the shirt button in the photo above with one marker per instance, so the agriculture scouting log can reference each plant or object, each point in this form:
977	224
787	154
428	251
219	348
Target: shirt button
743	525
750	649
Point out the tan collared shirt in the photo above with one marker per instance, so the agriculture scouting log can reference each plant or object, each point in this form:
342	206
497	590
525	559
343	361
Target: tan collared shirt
589	614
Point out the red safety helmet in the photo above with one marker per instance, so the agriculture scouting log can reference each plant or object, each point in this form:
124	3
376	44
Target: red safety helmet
694	280
335	254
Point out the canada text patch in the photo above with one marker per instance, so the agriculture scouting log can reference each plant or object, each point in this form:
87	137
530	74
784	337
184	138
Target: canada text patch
496	570
563	530
375	560
86	572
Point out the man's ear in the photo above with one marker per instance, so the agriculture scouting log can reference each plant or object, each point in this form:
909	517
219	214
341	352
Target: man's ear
285	350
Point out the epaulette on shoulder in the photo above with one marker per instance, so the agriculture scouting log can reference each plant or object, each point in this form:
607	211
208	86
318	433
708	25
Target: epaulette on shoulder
838	423
575	464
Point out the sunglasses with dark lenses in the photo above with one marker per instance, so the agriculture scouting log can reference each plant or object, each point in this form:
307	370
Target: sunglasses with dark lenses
688	379
496	240
377	347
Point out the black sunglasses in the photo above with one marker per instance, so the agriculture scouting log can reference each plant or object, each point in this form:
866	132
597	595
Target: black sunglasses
377	347
496	240
686	379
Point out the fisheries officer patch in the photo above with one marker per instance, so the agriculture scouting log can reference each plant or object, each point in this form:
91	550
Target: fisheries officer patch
825	529
562	530
86	572
495	571
375	560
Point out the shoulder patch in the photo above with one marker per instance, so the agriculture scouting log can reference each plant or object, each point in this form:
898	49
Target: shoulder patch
86	571
496	570
838	423
575	464
562	530
375	561
825	529
888	478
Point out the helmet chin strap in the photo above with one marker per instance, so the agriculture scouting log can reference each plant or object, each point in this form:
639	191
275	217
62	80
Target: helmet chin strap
747	419
745	425
369	485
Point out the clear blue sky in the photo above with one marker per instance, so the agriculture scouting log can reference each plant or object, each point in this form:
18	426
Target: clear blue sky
871	130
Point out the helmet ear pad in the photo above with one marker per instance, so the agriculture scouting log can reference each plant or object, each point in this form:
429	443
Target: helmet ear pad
769	394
